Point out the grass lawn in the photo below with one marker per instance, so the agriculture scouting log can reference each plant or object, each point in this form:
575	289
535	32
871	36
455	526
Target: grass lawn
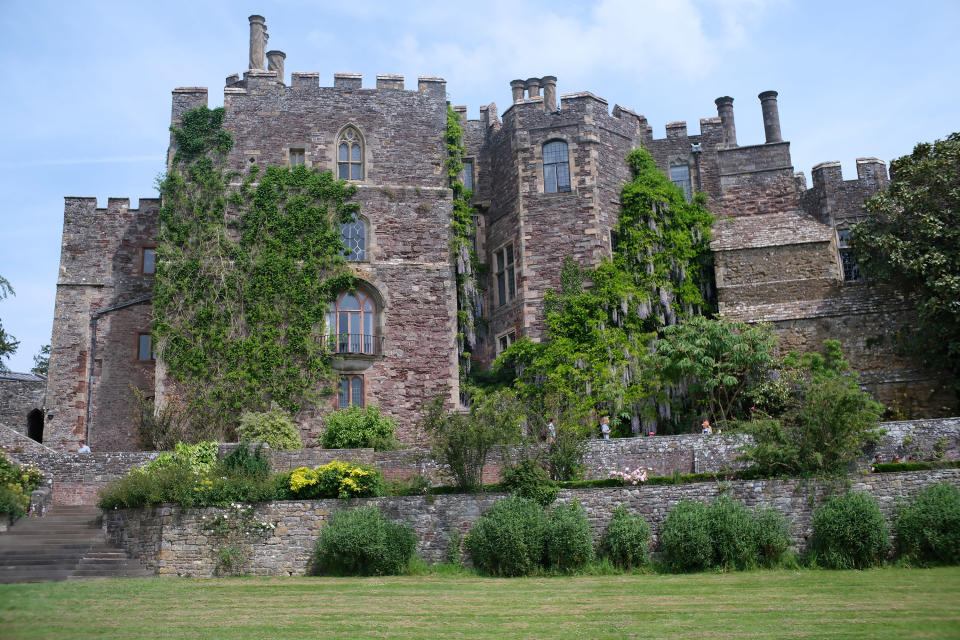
885	603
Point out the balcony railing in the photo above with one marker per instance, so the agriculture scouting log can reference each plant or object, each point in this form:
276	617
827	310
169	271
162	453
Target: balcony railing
361	344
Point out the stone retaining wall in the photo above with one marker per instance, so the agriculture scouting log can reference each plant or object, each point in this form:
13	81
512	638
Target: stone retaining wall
174	541
76	478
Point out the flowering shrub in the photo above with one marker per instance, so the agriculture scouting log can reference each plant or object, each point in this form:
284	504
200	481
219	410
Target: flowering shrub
628	476
336	480
196	457
230	531
16	483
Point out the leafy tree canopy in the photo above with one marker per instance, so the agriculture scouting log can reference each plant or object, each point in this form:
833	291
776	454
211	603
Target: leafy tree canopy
912	239
8	344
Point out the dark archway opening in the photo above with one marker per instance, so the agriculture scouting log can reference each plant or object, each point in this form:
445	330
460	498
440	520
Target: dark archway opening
35	425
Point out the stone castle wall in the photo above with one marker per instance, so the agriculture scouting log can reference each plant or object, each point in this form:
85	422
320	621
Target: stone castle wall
20	394
177	542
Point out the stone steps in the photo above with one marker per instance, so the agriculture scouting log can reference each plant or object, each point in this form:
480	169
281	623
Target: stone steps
67	544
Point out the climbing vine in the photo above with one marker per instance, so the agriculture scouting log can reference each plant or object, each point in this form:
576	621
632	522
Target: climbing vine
463	255
594	358
244	279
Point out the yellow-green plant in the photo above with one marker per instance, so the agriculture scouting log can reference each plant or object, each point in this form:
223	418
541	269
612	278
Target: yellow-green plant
336	480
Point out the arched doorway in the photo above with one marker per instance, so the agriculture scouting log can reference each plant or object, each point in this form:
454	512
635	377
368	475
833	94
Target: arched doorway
35	425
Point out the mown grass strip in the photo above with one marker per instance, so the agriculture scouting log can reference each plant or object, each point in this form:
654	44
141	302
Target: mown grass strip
885	603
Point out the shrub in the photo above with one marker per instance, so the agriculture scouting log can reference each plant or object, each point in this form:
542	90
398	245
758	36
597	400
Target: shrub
362	542
849	532
565	454
685	537
193	457
626	540
528	479
460	443
569	543
724	535
16	483
273	427
507	540
772	537
244	462
732	534
928	526
337	480
359	427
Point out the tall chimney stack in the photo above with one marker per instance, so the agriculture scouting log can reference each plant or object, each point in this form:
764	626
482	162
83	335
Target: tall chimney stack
275	63
258	41
549	84
725	111
771	116
533	87
517	87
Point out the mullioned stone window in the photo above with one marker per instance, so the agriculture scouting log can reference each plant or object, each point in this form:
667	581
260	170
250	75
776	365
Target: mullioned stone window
851	271
680	176
297	157
350	324
505	274
350	155
556	167
505	340
350	392
467	175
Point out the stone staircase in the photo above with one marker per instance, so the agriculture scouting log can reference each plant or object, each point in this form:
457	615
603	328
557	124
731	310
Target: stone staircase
66	544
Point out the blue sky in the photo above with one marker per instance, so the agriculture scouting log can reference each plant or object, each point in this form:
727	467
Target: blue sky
86	100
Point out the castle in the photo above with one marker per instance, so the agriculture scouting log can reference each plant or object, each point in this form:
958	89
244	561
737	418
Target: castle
546	176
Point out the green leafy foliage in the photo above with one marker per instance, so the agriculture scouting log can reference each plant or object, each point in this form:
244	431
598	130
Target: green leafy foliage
462	253
41	361
528	479
568	543
337	479
911	238
359	427
626	540
362	542
8	344
508	539
825	419
244	279
597	336
927	526
724	535
192	477
715	360
273	427
460	442
849	532
16	483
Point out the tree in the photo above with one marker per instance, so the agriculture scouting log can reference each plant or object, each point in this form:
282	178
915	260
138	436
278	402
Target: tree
41	361
911	238
718	360
8	344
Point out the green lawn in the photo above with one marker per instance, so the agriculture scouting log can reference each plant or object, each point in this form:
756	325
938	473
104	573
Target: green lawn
886	603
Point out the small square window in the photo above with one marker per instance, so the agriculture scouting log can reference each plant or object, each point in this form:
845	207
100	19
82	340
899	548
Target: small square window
505	340
145	350
148	261
297	157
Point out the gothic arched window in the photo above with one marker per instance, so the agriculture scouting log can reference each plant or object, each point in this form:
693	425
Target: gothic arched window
556	167
350	155
351	322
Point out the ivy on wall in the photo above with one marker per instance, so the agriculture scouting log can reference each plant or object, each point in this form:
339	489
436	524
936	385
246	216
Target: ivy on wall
244	278
602	321
462	253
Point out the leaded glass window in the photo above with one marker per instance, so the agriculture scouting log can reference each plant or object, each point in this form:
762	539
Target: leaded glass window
680	176
354	237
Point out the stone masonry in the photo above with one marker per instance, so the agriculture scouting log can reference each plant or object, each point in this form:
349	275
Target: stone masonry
177	542
778	245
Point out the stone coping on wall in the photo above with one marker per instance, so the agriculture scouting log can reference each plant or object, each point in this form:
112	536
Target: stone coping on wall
180	542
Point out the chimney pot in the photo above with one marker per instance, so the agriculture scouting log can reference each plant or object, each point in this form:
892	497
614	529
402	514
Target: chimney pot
771	116
533	87
549	84
517	87
725	111
275	63
258	41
